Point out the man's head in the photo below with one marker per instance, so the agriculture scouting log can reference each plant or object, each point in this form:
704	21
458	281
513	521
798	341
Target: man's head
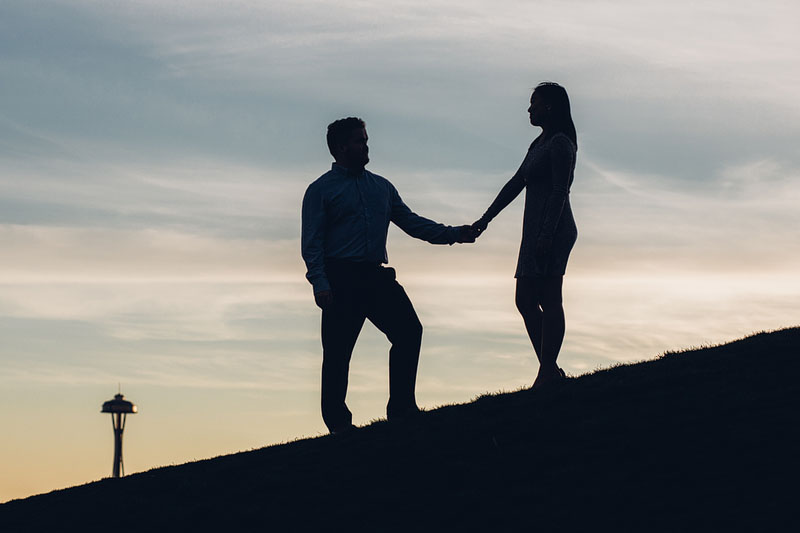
347	141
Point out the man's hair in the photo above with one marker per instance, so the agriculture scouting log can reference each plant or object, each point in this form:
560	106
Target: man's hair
339	130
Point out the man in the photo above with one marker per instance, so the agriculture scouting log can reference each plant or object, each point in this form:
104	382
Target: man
346	215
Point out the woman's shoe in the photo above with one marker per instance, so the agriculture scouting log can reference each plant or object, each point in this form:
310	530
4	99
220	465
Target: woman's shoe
548	379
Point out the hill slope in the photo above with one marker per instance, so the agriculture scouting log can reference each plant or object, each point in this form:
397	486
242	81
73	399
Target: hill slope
702	440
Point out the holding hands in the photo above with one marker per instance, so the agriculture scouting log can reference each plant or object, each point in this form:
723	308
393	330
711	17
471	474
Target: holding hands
469	233
479	226
474	231
466	235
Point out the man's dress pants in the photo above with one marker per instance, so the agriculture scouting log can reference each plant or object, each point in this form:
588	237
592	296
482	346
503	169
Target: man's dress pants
367	291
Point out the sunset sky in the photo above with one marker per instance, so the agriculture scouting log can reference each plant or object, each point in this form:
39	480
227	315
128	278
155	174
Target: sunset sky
154	154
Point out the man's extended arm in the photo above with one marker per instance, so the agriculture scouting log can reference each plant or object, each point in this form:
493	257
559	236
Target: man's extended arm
423	228
313	238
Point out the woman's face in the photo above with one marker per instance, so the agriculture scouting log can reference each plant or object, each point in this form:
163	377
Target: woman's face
538	110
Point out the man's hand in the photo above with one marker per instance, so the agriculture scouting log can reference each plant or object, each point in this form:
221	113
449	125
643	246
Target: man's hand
466	234
323	299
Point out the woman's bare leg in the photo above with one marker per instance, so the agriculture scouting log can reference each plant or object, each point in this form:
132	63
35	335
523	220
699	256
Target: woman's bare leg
527	300
553	322
539	301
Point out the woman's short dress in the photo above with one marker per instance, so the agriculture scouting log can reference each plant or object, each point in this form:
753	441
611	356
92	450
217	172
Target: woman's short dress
546	174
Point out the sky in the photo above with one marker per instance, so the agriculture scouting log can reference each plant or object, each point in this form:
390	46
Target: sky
154	155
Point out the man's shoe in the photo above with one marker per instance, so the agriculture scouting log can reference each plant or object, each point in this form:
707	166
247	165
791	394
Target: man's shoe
343	430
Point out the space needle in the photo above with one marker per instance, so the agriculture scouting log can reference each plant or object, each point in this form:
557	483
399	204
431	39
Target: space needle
119	408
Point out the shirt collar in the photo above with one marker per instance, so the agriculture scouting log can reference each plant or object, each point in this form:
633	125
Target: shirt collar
339	169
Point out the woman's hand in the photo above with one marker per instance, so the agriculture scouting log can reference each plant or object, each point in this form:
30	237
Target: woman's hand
466	235
543	246
479	226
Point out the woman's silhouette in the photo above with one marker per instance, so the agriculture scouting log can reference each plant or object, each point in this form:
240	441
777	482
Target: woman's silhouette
548	228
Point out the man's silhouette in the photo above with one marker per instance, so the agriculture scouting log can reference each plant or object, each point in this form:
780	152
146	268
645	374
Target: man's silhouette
346	215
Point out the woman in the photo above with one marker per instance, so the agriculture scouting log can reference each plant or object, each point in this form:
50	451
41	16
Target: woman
548	228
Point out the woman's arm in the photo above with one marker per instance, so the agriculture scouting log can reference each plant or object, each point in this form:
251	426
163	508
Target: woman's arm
562	161
507	194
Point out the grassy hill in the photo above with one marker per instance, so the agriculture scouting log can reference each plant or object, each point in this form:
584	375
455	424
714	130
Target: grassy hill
699	440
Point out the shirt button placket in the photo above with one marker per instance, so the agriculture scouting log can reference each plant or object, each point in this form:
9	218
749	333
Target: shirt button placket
360	184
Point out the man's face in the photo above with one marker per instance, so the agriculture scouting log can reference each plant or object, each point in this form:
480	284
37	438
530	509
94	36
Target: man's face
355	152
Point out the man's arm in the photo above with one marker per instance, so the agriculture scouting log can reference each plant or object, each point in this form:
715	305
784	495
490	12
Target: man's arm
313	238
421	227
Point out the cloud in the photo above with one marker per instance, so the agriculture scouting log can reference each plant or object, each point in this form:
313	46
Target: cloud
222	199
61	254
255	82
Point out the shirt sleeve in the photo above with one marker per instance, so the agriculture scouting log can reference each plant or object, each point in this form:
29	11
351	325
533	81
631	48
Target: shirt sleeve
562	161
417	226
313	238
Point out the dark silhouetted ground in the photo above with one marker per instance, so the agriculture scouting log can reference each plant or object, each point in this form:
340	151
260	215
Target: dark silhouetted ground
702	440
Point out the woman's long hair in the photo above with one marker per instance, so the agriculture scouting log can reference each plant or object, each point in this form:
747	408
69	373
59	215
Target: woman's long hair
556	97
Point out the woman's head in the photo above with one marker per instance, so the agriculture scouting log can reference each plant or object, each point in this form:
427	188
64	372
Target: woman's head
550	110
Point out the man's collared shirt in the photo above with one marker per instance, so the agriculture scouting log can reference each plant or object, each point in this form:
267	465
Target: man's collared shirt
347	216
